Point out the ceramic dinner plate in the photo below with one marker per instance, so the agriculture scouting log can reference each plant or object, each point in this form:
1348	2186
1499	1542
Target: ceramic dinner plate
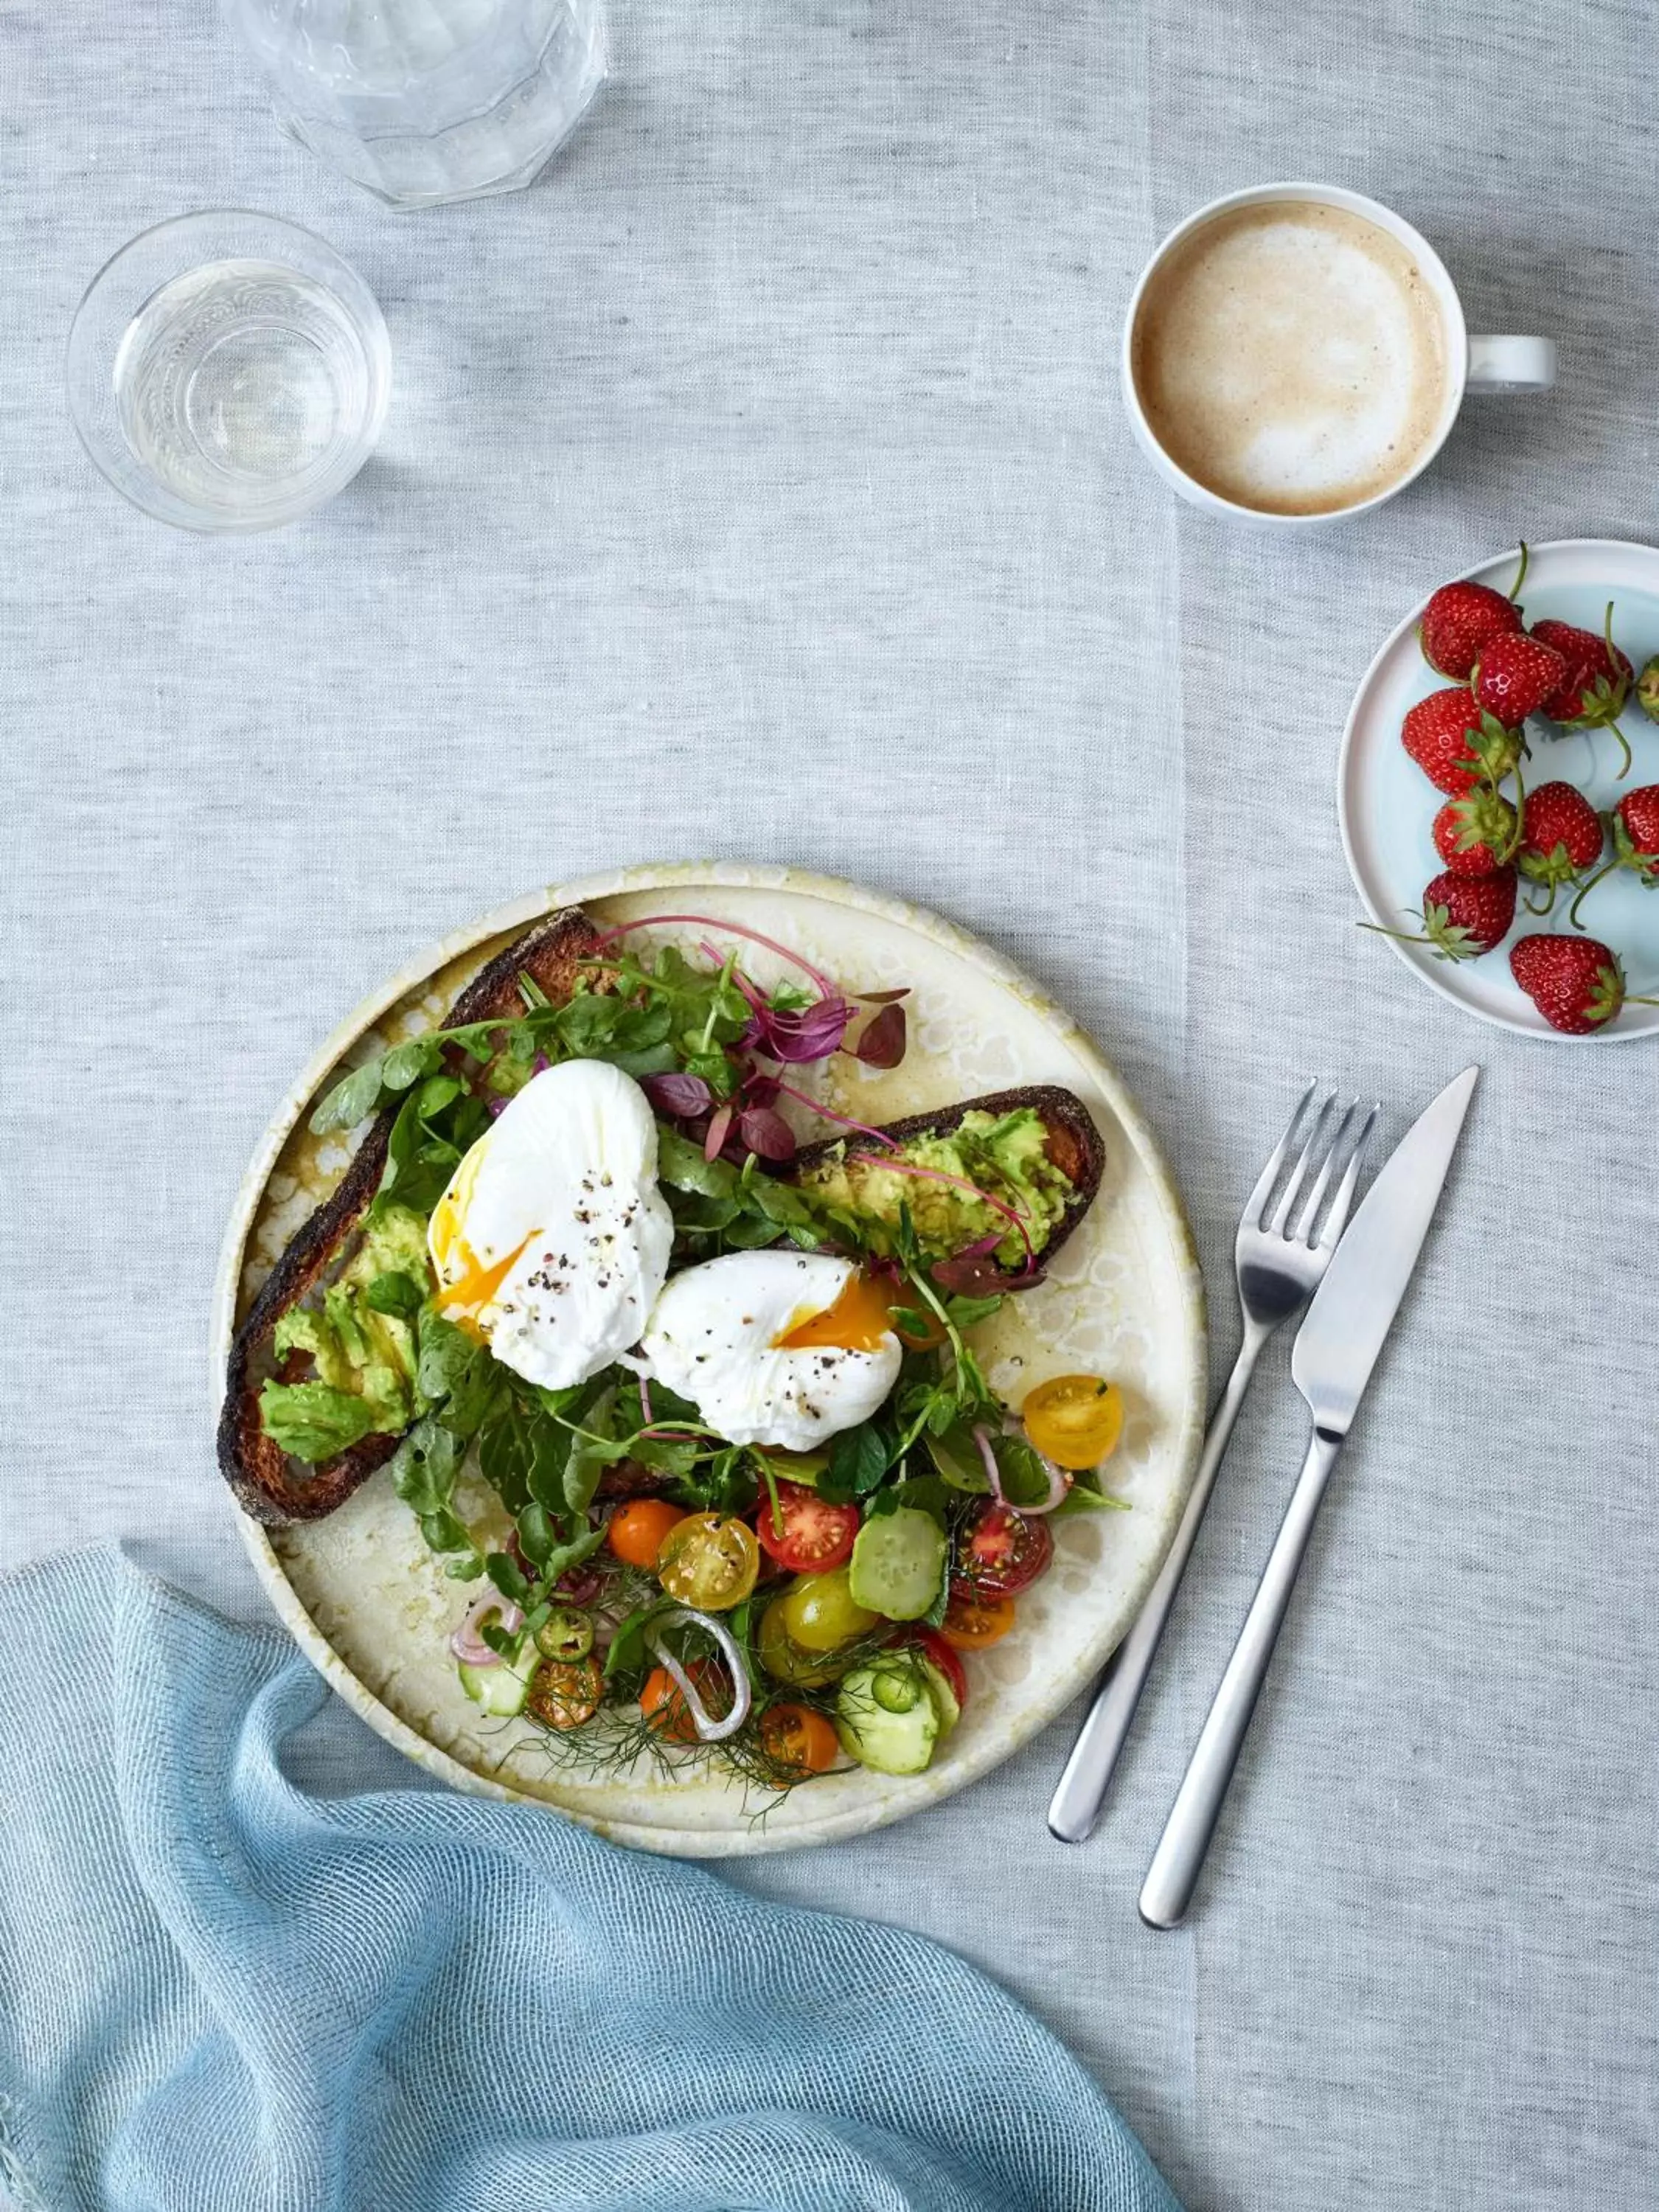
364	1598
1387	804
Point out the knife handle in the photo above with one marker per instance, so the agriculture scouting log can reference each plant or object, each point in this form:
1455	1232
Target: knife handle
1173	1875
1081	1790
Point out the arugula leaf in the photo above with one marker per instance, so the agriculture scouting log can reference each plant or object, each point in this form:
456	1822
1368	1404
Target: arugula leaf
1086	1496
509	1578
627	1645
395	1293
964	1312
313	1421
353	1099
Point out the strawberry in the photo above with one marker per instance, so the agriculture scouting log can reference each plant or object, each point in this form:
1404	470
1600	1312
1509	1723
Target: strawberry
1560	837
1462	916
1475	836
1461	621
1597	682
1514	675
1576	983
1635	826
1457	746
1647	688
1636	831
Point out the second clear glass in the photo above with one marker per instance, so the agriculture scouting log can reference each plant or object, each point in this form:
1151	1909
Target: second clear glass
425	102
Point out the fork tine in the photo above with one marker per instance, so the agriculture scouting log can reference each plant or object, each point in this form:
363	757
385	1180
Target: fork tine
1281	1213
1338	1214
1303	1232
1269	1175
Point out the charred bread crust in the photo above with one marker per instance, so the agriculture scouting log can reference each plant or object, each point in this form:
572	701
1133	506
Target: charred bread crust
268	1484
1073	1143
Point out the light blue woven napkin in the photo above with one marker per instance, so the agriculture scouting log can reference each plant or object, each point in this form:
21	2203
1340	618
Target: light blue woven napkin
218	1994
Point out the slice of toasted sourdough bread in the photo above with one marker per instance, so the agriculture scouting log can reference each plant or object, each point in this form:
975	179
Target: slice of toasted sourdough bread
269	1483
1072	1142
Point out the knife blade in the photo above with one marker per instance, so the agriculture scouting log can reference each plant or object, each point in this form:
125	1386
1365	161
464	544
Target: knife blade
1336	1349
1353	1308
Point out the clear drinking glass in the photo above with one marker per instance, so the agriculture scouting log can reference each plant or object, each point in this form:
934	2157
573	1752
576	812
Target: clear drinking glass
422	102
229	372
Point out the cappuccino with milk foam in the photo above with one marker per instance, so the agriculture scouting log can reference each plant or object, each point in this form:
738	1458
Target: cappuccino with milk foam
1290	356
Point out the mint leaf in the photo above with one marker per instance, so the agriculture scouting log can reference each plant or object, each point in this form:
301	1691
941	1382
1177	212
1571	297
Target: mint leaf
858	1461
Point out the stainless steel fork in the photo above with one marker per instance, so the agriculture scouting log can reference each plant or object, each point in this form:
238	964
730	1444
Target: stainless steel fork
1278	1269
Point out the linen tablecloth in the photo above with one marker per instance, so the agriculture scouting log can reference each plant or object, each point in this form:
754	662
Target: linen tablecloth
756	486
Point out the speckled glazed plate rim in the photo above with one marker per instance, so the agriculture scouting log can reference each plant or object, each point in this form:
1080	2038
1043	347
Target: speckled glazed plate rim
1084	1661
1615	562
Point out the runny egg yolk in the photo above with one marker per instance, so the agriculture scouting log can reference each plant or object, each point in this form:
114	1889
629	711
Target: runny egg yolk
858	1320
477	1285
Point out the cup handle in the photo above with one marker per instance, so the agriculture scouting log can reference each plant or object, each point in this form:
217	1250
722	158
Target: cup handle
1510	364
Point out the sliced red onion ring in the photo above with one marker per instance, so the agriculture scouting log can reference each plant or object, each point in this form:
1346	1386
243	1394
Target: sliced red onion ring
469	1647
988	1453
709	1729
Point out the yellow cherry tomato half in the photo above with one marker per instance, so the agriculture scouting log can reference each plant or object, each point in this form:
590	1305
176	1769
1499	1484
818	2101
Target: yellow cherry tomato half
709	1560
784	1659
1075	1420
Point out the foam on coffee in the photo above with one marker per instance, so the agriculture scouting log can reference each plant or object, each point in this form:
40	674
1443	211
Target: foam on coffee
1291	355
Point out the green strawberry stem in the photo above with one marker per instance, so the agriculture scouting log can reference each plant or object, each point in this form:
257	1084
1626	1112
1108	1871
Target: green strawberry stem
1585	890
1520	574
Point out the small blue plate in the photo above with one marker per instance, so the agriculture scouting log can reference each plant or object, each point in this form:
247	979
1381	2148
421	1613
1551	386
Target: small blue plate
1386	805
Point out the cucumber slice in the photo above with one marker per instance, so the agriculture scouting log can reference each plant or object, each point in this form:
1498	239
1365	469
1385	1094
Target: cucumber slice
949	1712
501	1690
885	1715
897	1563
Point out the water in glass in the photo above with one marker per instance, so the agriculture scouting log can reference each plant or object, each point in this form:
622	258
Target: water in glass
240	383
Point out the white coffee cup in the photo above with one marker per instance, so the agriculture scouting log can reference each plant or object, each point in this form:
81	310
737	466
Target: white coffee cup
1472	364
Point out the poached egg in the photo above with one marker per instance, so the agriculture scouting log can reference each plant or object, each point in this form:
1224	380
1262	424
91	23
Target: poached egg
551	1242
782	1348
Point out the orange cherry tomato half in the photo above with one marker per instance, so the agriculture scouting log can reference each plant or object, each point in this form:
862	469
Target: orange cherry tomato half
806	1535
563	1693
637	1530
798	1740
974	1624
932	1646
667	1709
1075	1420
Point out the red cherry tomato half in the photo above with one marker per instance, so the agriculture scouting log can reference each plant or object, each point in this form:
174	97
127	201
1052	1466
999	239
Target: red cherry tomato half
808	1536
932	1646
1002	1553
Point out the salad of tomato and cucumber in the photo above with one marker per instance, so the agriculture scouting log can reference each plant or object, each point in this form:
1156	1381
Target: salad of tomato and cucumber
692	1400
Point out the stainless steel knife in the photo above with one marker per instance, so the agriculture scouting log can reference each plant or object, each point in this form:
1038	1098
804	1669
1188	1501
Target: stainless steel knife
1336	1349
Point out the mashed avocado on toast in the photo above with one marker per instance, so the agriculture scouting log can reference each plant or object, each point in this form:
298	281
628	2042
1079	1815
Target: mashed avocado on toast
1004	1155
362	1344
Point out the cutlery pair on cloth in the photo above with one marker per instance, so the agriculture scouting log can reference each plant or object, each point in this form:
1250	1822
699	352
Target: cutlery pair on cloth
217	1990
1355	1278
